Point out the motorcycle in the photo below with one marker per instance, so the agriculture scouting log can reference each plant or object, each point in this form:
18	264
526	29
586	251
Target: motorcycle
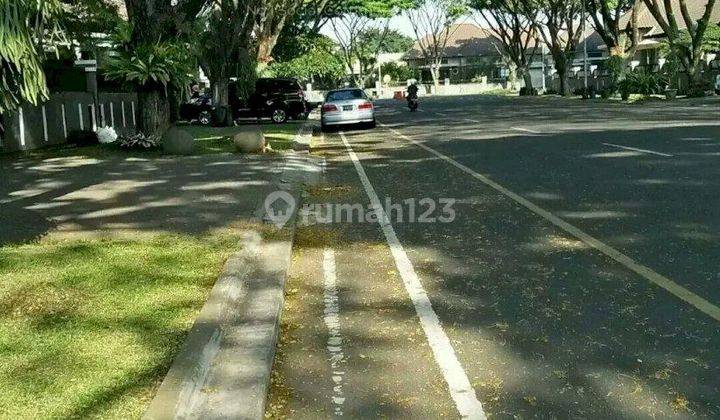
413	103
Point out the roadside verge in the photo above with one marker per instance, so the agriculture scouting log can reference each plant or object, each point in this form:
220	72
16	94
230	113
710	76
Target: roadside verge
223	369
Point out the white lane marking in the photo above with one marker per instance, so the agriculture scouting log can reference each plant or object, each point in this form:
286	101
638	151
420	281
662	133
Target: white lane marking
472	121
442	114
461	390
332	321
638	150
647	273
525	130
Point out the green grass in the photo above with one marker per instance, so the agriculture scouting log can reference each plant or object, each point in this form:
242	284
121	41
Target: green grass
209	140
89	327
219	139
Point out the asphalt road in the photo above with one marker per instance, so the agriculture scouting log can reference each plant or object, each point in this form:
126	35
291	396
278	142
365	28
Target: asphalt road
578	278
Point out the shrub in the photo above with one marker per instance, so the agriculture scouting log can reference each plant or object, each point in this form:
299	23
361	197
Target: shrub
140	141
644	83
106	135
526	91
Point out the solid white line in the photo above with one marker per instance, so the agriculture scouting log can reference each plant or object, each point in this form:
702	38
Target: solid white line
647	273
525	130
637	150
332	321
472	121
461	390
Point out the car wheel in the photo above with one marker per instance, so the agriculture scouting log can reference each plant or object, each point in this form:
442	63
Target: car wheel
205	118
325	128
279	116
372	124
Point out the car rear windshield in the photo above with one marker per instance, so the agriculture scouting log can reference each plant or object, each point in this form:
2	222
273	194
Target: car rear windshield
346	95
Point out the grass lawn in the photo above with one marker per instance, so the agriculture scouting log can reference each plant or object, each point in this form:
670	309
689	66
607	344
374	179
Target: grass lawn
219	139
89	326
209	140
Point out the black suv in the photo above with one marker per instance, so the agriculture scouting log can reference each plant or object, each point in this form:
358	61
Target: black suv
277	99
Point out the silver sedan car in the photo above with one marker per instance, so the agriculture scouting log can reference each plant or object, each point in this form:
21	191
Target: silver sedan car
347	106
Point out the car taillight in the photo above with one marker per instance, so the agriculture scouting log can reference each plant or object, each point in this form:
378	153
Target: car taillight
329	108
366	105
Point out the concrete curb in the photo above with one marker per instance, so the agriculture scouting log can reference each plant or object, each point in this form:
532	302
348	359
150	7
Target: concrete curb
223	369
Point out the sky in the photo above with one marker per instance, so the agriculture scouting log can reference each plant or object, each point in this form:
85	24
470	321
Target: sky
399	23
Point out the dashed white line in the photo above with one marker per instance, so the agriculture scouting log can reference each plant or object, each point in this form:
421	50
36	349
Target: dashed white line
647	273
471	120
634	149
332	321
525	130
442	114
461	390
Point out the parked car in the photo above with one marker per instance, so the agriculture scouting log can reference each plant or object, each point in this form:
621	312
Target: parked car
277	99
198	109
345	107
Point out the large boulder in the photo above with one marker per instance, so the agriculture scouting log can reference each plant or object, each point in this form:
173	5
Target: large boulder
249	139
178	142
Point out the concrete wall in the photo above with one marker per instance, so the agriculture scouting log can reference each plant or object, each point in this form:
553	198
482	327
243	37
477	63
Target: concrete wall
31	127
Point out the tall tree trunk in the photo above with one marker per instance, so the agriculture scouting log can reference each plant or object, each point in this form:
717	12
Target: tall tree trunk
693	71
265	47
435	73
154	109
527	77
223	113
561	66
512	76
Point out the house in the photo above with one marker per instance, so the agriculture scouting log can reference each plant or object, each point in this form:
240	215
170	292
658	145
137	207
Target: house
471	51
651	32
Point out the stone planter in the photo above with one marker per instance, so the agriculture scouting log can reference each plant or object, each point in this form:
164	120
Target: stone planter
250	139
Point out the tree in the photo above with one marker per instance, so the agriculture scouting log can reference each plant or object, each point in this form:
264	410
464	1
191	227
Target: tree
432	21
152	23
559	25
349	30
227	33
607	16
270	21
26	27
83	18
360	21
690	51
396	42
515	30
318	63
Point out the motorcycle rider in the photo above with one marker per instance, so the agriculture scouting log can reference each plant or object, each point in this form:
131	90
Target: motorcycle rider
412	95
412	90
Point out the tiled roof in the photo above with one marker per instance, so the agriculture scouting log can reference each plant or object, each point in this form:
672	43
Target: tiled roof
648	22
464	39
